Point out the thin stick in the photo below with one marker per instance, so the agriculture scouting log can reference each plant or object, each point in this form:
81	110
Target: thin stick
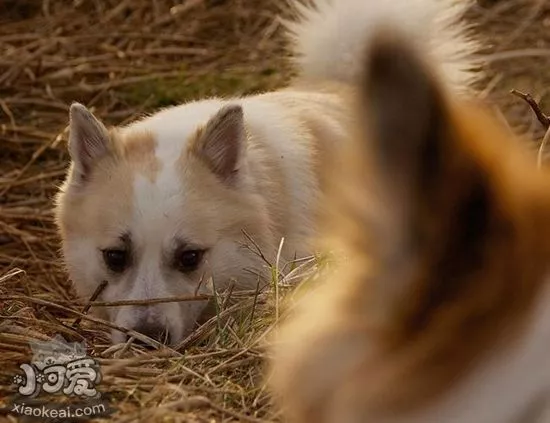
276	281
542	118
196	293
187	298
258	249
96	293
229	293
128	332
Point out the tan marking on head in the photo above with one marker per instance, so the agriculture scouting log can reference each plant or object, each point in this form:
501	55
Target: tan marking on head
192	146
138	150
107	196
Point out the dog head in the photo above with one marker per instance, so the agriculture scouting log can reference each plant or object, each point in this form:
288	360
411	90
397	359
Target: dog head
158	209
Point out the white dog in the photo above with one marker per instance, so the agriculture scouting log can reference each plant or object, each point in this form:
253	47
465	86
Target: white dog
161	204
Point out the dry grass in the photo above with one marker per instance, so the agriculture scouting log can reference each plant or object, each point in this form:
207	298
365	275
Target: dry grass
128	57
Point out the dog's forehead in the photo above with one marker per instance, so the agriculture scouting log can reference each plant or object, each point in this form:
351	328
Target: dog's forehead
154	150
172	127
158	204
157	186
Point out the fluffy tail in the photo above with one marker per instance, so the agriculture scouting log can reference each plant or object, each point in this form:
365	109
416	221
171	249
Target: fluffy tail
330	37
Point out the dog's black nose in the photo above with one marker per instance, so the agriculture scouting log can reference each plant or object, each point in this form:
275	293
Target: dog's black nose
154	331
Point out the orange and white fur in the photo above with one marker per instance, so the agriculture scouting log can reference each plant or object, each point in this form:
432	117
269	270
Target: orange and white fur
440	312
159	205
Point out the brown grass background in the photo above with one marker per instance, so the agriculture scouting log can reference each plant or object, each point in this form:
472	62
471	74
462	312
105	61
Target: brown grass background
124	58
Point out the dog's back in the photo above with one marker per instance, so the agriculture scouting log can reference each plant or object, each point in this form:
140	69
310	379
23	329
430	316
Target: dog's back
441	312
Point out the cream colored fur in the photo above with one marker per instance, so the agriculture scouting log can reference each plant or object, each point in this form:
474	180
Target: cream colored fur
155	191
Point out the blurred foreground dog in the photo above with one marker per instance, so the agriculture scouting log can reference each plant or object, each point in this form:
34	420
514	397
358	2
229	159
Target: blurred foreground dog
159	206
442	311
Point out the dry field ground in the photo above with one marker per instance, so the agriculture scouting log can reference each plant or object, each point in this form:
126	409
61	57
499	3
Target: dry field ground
124	58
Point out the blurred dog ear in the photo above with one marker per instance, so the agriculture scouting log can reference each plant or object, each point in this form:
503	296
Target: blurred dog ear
407	121
410	184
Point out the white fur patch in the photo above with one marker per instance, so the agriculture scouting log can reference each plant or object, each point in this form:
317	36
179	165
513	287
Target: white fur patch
330	37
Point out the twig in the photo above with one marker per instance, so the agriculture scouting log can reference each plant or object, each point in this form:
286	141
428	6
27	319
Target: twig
11	273
258	251
128	332
513	54
201	280
542	118
8	113
96	293
228	296
277	277
186	298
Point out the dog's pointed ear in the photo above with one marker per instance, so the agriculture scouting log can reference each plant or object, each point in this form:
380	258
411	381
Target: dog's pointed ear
429	196
407	132
221	143
408	118
88	139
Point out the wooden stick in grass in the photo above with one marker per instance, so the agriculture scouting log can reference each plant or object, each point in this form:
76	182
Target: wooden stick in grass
528	98
96	293
186	298
128	332
541	117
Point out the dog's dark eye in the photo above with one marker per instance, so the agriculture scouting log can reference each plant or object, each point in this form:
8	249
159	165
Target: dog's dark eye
116	260
188	260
